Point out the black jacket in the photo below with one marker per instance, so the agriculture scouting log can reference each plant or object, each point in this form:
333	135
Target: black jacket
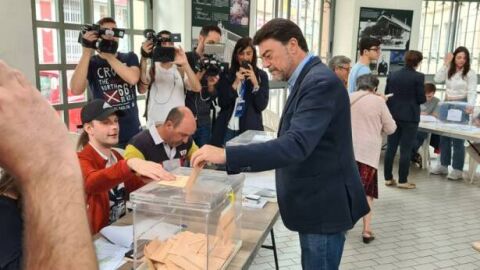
255	103
407	87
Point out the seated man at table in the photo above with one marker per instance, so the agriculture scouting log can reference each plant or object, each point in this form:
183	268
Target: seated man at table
170	143
108	178
430	107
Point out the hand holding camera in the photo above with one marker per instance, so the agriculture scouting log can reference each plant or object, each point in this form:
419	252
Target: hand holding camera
101	39
159	50
246	70
180	57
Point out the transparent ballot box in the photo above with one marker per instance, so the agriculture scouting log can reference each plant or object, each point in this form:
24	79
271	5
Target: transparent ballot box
252	136
179	228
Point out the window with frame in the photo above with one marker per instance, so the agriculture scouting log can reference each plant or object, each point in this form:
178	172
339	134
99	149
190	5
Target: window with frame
444	26
56	26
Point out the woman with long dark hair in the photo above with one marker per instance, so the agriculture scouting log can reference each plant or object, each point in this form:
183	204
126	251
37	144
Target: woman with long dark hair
242	94
460	86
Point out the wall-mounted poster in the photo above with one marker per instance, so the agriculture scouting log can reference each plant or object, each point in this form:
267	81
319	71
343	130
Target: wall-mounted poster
393	28
233	14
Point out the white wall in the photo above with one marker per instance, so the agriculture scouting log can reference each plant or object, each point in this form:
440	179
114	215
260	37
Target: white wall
347	13
174	16
16	45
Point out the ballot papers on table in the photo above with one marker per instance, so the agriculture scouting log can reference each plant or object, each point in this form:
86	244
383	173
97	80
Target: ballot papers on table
109	256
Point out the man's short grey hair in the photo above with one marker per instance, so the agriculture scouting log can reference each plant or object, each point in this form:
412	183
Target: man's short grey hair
338	61
367	82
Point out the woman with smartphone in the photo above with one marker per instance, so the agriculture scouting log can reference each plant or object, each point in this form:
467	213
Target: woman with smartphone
242	95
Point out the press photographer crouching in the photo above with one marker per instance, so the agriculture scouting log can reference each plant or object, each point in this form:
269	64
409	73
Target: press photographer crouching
169	76
201	103
111	75
242	95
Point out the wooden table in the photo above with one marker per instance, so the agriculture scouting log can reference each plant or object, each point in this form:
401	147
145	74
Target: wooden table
257	224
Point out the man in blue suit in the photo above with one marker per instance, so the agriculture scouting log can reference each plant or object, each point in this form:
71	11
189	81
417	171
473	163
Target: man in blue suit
318	187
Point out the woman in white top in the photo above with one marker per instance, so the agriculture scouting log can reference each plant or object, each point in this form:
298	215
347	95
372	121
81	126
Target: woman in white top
370	118
460	85
166	82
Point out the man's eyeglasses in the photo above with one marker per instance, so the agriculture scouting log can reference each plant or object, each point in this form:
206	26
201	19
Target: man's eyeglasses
374	49
345	68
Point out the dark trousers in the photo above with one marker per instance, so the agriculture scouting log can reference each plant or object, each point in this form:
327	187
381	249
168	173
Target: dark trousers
404	137
446	158
421	136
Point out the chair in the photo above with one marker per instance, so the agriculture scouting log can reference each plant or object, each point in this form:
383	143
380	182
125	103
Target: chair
473	161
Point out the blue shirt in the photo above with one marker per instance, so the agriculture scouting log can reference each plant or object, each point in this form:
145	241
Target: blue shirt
106	84
293	79
358	70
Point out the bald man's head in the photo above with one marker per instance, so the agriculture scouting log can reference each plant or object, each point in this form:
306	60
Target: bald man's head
180	125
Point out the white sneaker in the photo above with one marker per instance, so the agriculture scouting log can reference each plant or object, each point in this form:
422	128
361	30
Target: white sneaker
455	175
439	170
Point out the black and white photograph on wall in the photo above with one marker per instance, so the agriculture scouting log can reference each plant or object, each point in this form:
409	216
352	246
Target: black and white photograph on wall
383	64
391	26
239	11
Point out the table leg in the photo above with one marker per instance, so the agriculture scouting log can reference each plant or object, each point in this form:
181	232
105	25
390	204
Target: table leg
426	152
274	248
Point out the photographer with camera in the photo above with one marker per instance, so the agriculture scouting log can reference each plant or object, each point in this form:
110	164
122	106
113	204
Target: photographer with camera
201	103
111	75
242	95
168	77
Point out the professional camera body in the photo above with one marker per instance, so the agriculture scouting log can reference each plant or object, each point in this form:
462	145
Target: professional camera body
211	62
103	45
160	53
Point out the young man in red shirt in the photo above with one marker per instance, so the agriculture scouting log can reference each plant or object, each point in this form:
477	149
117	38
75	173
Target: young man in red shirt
108	177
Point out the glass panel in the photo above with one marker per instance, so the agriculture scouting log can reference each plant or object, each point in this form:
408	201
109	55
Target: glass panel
48	49
50	81
124	44
325	31
137	43
74	119
73	49
269	10
260	13
101	9
122	13
46	10
140	19
71	97
73	11
294	11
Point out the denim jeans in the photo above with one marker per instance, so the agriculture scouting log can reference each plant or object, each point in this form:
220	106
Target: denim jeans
458	159
202	135
405	137
321	251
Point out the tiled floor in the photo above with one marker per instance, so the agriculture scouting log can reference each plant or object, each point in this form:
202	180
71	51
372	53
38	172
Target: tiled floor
431	227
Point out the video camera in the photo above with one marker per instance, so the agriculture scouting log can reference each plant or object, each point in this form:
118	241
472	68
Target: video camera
211	62
103	45
160	53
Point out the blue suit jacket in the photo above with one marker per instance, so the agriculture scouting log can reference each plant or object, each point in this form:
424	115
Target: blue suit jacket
318	185
407	86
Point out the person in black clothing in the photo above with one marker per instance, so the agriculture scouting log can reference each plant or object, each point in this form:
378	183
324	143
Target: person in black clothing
11	226
407	87
201	103
242	95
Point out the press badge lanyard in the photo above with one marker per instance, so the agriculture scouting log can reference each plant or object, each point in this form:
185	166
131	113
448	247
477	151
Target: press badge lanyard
240	102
